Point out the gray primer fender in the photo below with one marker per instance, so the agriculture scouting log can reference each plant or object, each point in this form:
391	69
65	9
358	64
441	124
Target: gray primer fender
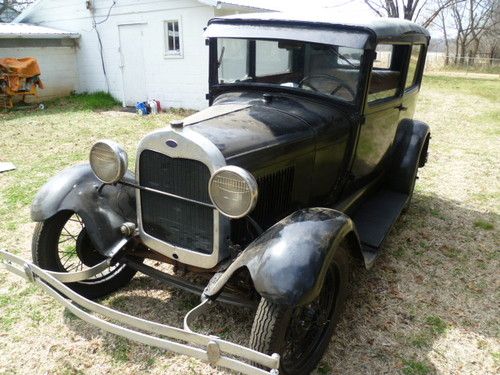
103	212
410	153
288	262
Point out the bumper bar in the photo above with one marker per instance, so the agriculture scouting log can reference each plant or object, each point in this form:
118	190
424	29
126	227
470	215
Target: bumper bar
210	349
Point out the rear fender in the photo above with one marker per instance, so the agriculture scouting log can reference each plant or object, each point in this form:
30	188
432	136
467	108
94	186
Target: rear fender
288	262
410	153
103	209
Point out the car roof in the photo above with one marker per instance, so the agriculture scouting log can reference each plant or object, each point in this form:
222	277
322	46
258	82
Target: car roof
384	29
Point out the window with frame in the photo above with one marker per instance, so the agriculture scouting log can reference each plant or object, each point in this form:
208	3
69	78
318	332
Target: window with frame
318	68
172	38
412	75
386	72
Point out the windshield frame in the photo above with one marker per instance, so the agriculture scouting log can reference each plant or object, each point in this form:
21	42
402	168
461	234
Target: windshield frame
216	88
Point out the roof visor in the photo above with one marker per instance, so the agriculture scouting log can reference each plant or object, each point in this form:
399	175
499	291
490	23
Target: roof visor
344	38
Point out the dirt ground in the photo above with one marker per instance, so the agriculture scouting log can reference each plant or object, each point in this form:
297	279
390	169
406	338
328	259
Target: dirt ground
429	305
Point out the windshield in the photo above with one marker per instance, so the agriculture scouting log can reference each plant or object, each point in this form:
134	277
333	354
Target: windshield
325	69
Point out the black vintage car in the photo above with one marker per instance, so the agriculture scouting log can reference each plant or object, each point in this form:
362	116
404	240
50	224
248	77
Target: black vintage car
300	166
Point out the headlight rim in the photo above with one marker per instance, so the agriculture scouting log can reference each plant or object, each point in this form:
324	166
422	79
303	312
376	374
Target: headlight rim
120	155
248	178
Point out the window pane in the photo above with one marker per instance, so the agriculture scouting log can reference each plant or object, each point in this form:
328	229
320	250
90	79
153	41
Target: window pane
232	55
412	67
270	59
349	56
172	37
384	56
318	68
384	81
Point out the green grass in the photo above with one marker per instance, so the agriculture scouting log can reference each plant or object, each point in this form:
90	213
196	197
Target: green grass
484	88
482	224
437	325
86	101
121	350
412	367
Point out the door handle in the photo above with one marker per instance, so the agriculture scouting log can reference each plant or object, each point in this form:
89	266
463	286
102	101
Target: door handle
401	108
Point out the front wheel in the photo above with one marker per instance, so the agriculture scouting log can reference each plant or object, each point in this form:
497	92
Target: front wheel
301	334
62	244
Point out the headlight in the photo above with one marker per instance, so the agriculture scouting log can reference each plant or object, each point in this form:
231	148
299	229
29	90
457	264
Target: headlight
108	160
233	191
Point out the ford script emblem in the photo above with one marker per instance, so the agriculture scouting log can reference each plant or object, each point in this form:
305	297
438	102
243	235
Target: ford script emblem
171	143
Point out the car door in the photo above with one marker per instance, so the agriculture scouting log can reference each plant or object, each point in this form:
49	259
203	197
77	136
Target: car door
382	112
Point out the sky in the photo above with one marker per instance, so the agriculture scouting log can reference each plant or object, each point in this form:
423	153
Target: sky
356	8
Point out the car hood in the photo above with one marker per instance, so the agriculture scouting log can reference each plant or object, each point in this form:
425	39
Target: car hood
239	125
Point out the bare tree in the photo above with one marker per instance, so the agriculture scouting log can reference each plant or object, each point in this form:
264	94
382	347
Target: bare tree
9	8
473	20
421	11
444	27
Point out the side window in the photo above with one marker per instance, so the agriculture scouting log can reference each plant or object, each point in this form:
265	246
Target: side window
173	42
270	59
411	77
386	72
384	56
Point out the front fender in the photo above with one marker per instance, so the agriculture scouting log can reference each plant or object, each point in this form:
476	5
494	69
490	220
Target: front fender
288	262
103	210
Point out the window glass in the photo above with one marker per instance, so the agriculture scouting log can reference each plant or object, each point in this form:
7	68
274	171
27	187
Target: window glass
270	59
384	56
411	77
172	38
320	68
386	73
350	56
232	60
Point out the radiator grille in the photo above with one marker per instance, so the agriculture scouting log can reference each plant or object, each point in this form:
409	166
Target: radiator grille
172	220
274	203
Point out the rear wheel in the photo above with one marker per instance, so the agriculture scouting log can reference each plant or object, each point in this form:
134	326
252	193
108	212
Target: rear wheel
301	334
62	244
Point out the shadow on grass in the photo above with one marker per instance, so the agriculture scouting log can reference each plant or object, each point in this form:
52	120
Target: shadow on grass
437	274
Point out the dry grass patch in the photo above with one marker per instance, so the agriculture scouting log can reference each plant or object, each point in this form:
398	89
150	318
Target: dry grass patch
429	306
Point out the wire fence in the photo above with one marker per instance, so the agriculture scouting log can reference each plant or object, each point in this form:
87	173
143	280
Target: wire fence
440	61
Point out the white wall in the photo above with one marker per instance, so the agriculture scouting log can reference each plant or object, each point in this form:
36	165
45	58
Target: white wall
176	82
57	64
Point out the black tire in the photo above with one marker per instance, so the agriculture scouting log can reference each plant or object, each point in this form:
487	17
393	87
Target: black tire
274	324
46	252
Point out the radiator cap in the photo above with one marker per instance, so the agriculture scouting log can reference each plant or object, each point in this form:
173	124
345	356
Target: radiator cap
177	124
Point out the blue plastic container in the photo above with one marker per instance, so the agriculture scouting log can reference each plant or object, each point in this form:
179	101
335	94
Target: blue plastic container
141	109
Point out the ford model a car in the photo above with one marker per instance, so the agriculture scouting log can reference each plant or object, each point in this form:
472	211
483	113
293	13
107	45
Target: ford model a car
302	163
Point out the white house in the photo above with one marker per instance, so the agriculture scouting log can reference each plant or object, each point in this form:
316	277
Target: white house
136	50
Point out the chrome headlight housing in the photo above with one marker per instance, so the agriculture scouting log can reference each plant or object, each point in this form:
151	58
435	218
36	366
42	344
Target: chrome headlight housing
108	160
233	191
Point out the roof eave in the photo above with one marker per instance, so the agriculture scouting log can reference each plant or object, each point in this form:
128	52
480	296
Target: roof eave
39	36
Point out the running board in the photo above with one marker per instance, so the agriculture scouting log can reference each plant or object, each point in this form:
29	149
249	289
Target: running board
374	219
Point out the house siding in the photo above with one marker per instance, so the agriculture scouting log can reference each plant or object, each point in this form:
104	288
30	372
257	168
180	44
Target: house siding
176	82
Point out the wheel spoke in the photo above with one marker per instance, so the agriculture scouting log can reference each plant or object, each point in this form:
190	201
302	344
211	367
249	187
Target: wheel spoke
69	234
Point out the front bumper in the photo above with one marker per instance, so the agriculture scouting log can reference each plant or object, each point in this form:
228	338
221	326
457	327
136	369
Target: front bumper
210	349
